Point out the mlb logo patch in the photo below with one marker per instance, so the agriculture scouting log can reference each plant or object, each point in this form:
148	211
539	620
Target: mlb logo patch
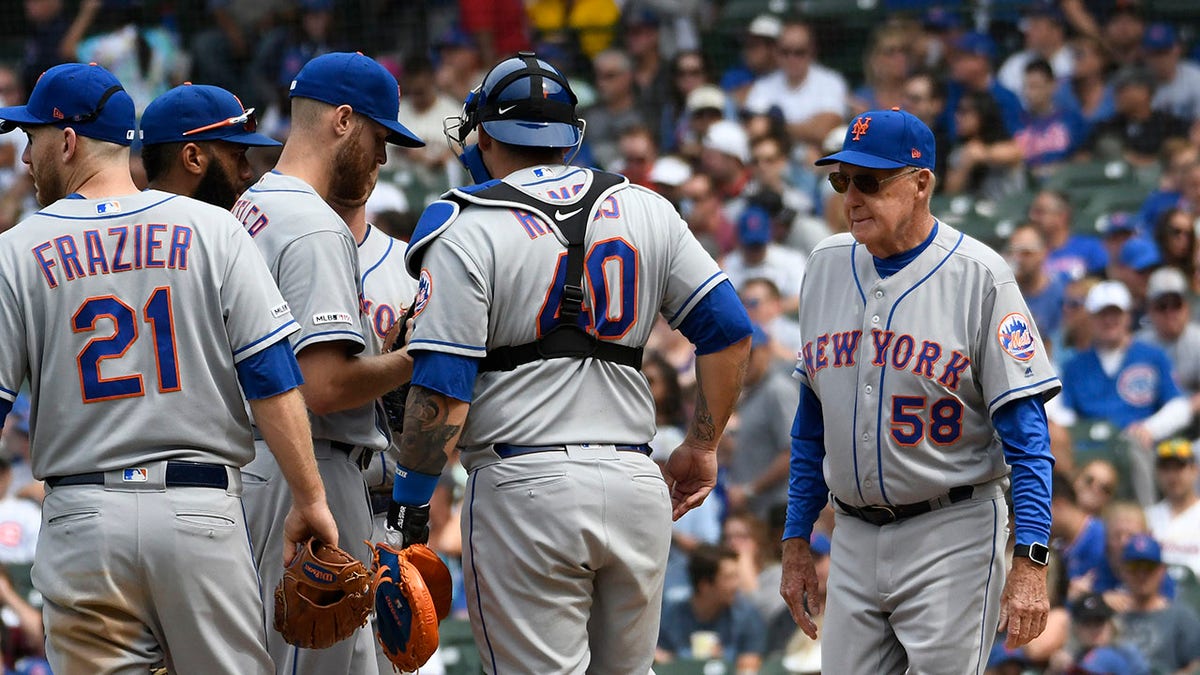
108	207
135	476
1016	336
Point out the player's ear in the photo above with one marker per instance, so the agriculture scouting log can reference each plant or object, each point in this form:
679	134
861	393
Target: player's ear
343	120
69	144
193	158
925	183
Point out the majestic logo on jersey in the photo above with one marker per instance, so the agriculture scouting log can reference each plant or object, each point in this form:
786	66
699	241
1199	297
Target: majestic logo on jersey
323	318
135	476
1016	337
279	310
860	127
1137	385
108	207
424	290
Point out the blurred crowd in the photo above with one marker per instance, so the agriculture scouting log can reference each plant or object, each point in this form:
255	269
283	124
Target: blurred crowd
1068	137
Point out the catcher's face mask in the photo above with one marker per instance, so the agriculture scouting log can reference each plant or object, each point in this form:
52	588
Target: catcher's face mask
522	101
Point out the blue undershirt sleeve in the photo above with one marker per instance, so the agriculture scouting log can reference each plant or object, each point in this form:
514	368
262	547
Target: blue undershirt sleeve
5	408
451	375
1026	439
270	372
807	492
717	321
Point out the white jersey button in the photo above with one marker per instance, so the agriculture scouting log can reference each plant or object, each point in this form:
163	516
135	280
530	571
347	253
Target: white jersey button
879	294
866	436
867	388
875	319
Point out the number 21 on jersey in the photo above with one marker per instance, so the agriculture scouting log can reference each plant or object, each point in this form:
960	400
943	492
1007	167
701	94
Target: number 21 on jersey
157	313
611	269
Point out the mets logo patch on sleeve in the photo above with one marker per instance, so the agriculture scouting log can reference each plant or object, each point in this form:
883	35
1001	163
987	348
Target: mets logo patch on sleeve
1016	336
424	290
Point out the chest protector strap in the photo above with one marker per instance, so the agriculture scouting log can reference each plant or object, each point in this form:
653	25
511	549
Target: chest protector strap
567	339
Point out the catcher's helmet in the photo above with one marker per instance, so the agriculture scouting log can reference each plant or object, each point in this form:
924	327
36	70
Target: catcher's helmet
522	101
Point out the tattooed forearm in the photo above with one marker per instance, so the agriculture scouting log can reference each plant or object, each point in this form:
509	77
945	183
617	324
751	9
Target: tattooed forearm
430	430
703	427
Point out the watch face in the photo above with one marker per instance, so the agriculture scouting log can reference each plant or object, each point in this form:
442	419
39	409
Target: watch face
1039	554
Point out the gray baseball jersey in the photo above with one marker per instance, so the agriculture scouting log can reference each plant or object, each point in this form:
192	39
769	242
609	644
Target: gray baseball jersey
489	279
314	259
109	306
387	288
909	369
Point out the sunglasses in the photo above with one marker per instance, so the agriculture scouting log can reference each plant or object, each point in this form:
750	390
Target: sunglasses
247	119
800	53
1167	304
865	183
1093	482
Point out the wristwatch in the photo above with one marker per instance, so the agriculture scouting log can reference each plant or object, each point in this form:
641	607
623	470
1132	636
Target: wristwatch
1038	553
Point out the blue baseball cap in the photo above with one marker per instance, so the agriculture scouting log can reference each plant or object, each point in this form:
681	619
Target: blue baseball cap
349	78
1104	661
200	112
1140	254
979	44
1141	547
754	226
1118	222
85	97
940	19
885	139
1159	37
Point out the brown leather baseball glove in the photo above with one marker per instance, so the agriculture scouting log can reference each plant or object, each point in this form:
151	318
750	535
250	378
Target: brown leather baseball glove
324	596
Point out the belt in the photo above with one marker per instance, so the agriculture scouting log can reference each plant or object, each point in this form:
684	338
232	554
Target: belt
884	514
504	450
178	474
359	455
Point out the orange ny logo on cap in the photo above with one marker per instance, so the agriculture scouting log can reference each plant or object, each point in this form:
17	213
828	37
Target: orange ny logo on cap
860	127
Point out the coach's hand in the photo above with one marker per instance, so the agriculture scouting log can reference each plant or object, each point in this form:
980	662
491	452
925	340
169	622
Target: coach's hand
1024	605
304	521
799	585
691	473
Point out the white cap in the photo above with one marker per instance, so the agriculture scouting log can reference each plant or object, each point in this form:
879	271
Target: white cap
730	138
1164	281
705	96
833	140
670	170
1108	294
766	25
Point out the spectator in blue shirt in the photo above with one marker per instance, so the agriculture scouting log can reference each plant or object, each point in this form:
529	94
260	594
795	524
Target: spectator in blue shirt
1072	256
715	607
1043	292
971	70
1048	135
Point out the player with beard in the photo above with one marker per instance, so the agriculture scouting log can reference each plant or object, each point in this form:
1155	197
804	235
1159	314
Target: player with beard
194	142
344	111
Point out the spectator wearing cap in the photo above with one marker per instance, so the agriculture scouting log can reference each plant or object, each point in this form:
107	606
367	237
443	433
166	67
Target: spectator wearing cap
668	175
725	155
971	70
615	108
758	466
1175	235
194	143
1175	521
704	106
715	607
1115	229
1043	292
688	72
889	61
1137	131
1045	37
1137	259
1177	80
764	304
424	107
1123	381
1172	329
1048	135
810	97
985	163
1072	256
1167	633
758	56
758	256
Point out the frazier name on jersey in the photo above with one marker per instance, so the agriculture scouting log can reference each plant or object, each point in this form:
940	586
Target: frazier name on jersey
116	249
